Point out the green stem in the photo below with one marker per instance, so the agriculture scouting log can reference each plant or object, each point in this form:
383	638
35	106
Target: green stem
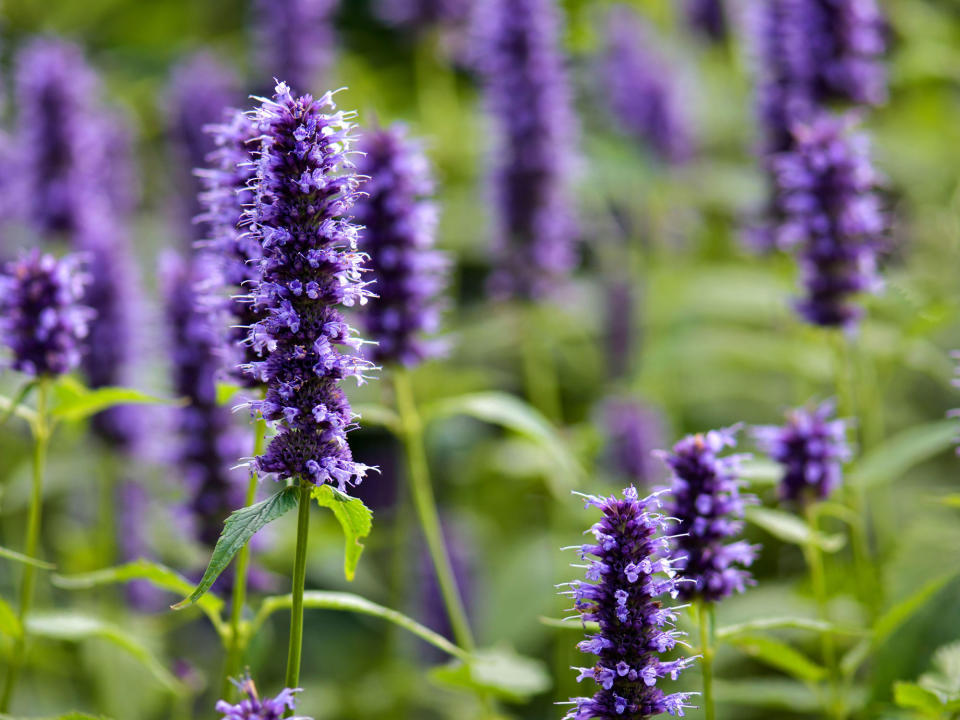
818	580
419	478
41	437
238	639
299	581
705	610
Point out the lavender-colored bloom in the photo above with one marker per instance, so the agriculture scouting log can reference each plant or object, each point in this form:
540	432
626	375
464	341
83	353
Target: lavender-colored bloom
226	193
424	13
399	222
828	210
641	87
42	319
812	447
201	88
620	326
707	17
529	102
209	441
707	502
295	40
253	707
304	189
629	570
633	431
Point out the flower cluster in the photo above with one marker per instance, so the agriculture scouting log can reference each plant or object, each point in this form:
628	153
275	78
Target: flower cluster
641	88
812	447
253	707
832	215
634	431
629	570
41	316
706	501
529	101
305	187
226	194
399	224
295	38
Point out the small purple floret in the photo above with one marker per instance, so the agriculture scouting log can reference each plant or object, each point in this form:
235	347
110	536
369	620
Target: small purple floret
253	707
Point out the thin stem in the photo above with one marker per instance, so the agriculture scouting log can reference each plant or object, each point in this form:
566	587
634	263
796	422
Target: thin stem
41	437
238	640
299	581
419	478
705	611
818	581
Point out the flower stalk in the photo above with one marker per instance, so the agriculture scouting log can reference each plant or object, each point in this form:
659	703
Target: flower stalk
818	582
295	648
706	621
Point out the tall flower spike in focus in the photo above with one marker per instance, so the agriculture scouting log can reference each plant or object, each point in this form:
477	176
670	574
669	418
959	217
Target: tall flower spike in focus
641	88
253	707
629	571
42	320
705	498
295	40
529	102
812	447
304	190
829	210
399	220
226	194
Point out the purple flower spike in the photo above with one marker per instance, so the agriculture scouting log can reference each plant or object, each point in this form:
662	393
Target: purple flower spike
812	447
629	570
399	222
295	40
529	101
253	707
304	190
707	502
634	431
830	212
641	88
41	318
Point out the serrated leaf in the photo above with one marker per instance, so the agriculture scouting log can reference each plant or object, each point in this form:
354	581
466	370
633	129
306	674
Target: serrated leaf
91	402
237	531
791	529
9	623
898	454
25	559
499	671
780	655
76	627
913	697
355	518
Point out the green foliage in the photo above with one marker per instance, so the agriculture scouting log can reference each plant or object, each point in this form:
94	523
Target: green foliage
73	402
791	529
9	624
355	518
937	693
898	454
780	655
8	554
498	671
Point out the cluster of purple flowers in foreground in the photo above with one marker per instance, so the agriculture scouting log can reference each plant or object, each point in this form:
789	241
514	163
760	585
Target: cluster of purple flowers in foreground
226	194
304	188
41	317
629	570
831	213
399	222
705	499
633	432
253	707
295	40
812	447
641	88
529	102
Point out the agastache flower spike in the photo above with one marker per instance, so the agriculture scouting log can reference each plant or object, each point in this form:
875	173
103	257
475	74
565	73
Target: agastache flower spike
42	320
812	447
304	189
399	221
629	570
705	498
634	430
295	40
253	707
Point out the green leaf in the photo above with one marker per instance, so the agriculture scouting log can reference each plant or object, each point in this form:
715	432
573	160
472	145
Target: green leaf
228	391
76	627
780	655
379	415
25	559
90	402
898	454
354	517
499	671
772	693
760	471
784	623
354	603
952	500
237	531
944	679
17	407
791	529
14	405
156	574
9	623
913	697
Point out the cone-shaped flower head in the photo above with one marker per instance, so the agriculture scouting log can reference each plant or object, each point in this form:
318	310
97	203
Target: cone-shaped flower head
399	222
629	571
295	40
253	707
42	320
831	214
227	192
633	430
812	447
529	102
304	190
641	87
706	501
